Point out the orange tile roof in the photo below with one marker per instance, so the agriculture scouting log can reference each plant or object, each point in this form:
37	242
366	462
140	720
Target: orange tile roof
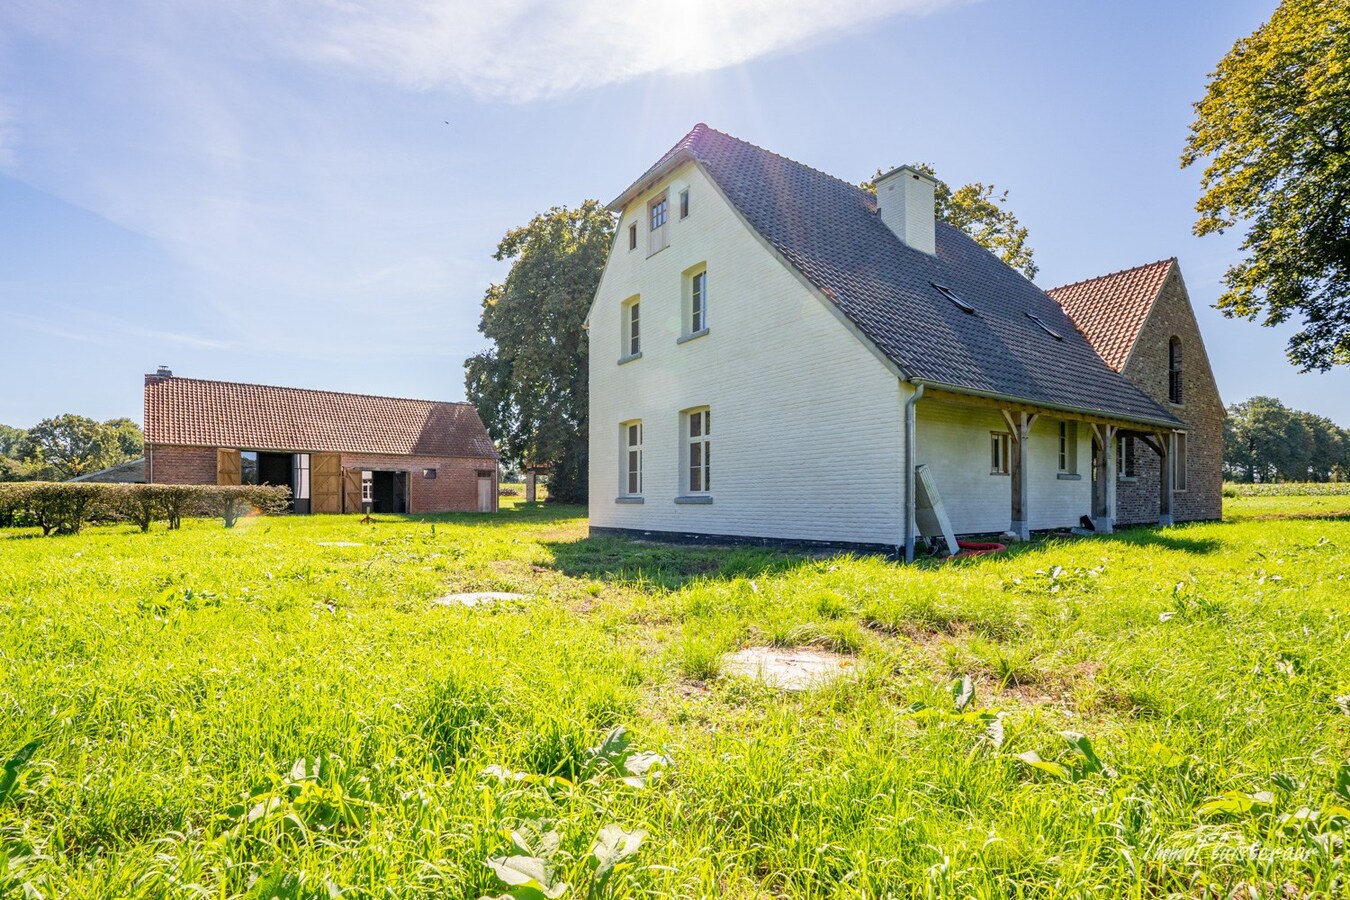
193	412
1110	309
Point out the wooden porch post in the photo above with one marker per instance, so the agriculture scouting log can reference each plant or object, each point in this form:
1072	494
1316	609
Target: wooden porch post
1165	440
1104	491
1019	424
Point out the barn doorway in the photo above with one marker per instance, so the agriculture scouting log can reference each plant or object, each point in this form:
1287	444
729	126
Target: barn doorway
485	491
389	492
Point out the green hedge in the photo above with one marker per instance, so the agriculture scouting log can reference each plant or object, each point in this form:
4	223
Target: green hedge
65	507
1288	489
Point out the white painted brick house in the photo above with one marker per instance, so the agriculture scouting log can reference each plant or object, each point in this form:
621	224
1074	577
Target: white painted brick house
771	354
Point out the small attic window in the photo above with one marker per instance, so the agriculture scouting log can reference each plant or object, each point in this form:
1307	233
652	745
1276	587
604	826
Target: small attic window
1044	327
951	295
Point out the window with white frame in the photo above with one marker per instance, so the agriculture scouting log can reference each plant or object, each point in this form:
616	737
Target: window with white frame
632	329
301	466
999	456
632	236
1124	457
684	203
658	216
698	451
631	475
1068	447
367	487
1179	462
697	320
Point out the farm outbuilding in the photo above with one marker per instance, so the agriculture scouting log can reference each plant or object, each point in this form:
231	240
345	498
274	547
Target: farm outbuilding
338	452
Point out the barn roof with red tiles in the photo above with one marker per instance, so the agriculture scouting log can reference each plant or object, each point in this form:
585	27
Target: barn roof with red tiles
1110	309
198	413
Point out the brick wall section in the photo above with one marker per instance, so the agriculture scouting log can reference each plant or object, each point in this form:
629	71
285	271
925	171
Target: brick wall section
171	464
1201	409
454	489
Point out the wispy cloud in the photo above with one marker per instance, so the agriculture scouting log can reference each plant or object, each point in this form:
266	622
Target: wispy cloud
522	50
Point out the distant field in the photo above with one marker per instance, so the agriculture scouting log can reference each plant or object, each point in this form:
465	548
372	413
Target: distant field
1157	713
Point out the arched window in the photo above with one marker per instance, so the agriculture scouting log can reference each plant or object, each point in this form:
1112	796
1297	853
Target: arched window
1174	370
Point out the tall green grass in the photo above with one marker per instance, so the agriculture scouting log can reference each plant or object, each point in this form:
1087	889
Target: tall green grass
172	680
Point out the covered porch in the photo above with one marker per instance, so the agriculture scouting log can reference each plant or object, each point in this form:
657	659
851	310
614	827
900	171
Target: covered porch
1012	467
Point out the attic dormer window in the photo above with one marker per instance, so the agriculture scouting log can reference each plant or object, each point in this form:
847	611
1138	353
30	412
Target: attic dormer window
951	295
1044	327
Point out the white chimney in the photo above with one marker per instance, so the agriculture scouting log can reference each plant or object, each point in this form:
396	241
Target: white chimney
906	202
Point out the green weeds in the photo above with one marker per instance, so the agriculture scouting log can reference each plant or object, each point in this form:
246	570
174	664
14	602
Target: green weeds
281	710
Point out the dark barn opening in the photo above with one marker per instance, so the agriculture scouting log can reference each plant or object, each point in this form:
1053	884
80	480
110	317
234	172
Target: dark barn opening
389	492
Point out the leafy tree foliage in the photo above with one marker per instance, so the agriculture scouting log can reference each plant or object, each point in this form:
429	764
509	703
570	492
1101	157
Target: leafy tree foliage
1266	441
531	387
1274	132
69	445
10	439
980	211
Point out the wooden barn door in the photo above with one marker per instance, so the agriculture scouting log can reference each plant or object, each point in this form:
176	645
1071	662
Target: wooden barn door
325	482
351	490
227	466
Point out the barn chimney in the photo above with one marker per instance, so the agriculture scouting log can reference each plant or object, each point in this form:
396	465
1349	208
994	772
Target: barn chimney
906	202
163	373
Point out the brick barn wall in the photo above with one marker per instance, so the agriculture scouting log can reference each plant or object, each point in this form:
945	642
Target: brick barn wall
172	464
1201	409
454	489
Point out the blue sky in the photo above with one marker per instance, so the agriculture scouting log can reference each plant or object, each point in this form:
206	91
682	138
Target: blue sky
310	192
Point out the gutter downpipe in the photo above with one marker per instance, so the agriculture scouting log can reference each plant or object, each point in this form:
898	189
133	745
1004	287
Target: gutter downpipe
911	451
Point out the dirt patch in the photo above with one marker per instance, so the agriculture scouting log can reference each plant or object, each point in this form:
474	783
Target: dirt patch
478	598
788	669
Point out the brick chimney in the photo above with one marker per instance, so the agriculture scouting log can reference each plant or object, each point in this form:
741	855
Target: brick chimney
906	202
163	373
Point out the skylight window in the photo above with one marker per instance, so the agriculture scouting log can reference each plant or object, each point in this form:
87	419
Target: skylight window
1044	327
951	295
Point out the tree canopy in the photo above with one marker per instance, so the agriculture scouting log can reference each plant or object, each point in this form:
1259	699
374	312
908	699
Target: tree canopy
1273	131
65	446
980	210
1266	441
531	387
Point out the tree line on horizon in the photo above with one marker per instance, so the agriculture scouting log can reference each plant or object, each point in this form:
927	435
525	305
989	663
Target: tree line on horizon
1266	441
67	446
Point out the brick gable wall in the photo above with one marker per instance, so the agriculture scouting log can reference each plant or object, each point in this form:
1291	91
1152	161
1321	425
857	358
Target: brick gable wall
1201	409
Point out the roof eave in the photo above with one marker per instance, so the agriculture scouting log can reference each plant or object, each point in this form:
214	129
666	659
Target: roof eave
1167	423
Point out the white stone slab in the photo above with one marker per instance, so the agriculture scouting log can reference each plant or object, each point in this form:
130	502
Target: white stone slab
789	669
478	598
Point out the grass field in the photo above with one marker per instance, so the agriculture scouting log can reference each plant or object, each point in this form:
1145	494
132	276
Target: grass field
1159	713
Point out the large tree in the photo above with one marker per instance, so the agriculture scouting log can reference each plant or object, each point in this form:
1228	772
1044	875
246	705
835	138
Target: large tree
1274	133
980	210
69	445
530	388
10	441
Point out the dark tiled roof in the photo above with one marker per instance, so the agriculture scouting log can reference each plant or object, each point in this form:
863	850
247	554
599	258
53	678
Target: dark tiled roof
1110	310
192	412
830	231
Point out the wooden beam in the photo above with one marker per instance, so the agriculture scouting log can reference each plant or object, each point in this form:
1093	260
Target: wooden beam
1104	491
1009	406
1020	424
1165	516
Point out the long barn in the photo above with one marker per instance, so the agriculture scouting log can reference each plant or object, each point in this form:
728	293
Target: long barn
337	452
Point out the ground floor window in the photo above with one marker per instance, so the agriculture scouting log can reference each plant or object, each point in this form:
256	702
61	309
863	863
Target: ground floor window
1000	443
367	487
632	459
698	451
248	467
1068	447
1124	457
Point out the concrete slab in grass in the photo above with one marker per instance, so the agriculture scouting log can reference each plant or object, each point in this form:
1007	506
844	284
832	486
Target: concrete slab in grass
788	669
476	598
